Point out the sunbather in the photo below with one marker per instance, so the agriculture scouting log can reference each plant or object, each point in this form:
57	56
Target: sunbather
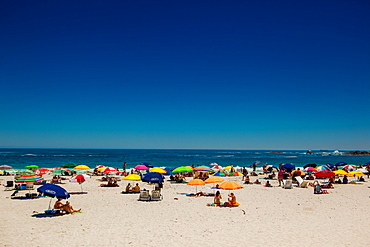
128	188
217	199
136	189
69	209
58	204
268	184
231	201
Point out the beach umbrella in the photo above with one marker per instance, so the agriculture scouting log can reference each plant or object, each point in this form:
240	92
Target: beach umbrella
228	167
79	179
134	177
310	165
363	170
69	165
82	167
220	174
53	190
350	167
147	165
157	169
5	167
355	174
322	168
152	177
203	169
43	171
31	167
310	169
60	168
340	172
236	174
230	185
324	174
288	167
100	168
213	180
341	164
196	182
182	169
108	170
141	167
29	179
368	163
24	172
330	166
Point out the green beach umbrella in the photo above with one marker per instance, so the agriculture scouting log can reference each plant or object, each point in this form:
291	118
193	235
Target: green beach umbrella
31	166
182	169
69	165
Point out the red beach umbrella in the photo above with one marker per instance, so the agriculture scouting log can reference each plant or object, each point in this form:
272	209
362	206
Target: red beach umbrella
324	174
43	171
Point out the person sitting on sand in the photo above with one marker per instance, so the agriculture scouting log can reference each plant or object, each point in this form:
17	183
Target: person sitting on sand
268	184
317	188
58	204
231	200
253	173
328	186
247	180
257	181
69	209
218	197
136	189
345	179
128	188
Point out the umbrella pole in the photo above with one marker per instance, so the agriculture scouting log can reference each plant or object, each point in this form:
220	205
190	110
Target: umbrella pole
81	187
50	203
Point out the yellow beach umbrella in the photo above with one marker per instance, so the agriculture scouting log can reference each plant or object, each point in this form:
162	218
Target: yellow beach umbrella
355	174
227	167
340	172
102	168
82	167
133	177
157	169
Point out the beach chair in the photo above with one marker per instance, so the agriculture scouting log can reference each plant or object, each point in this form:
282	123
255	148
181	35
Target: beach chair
144	195
9	183
156	195
304	184
29	186
287	184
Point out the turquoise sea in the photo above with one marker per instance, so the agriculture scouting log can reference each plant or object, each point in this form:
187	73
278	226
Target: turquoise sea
50	158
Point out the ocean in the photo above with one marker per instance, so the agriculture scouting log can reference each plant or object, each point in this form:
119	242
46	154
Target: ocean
51	158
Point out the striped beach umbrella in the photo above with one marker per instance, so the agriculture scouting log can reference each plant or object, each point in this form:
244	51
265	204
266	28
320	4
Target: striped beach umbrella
29	179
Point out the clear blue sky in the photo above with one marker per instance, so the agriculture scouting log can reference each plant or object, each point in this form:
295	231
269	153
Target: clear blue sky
185	74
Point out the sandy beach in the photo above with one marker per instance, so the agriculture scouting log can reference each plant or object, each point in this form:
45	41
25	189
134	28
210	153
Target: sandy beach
266	217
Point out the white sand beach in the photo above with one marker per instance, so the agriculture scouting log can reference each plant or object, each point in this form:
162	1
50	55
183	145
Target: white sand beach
266	217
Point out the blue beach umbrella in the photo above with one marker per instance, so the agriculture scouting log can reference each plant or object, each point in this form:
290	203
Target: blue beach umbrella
153	177
147	165
288	167
331	166
53	190
341	164
310	165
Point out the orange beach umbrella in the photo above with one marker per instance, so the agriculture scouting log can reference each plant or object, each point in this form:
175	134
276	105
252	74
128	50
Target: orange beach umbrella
230	185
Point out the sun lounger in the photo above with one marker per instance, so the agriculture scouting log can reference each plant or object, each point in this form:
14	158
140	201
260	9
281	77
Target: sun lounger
144	195
301	182
29	186
156	195
287	184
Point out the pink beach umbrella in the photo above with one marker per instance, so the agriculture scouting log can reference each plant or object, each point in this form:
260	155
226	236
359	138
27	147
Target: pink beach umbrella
141	167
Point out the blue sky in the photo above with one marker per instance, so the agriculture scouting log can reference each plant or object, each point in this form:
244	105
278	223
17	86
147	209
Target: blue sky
185	74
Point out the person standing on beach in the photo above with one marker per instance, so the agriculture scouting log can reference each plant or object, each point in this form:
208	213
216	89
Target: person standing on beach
124	167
